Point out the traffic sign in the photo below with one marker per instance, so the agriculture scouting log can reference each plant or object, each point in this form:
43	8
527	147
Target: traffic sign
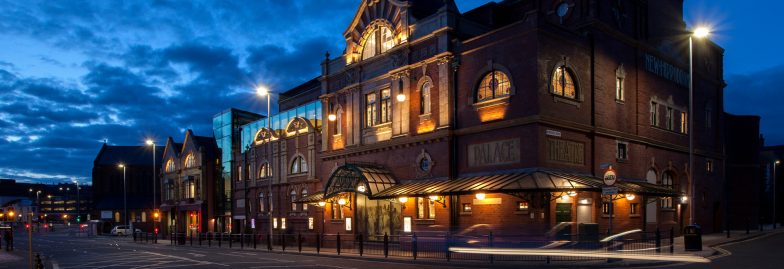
609	190
609	176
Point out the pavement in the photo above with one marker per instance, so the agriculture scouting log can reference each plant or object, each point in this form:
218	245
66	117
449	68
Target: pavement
63	250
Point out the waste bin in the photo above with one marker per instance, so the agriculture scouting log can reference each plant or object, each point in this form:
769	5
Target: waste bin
692	238
588	232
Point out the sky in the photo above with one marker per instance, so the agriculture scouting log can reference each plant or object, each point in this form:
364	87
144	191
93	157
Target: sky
77	73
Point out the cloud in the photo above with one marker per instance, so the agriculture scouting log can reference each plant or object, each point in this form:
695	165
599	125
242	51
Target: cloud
759	93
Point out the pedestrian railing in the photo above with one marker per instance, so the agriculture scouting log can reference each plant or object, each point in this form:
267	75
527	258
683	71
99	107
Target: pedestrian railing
426	246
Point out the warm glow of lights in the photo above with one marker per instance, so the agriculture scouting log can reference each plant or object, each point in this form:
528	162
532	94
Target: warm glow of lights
322	203
401	97
630	197
426	126
121	165
342	201
491	113
480	196
337	142
778	162
581	254
571	193
11	214
701	32
435	197
564	197
684	199
332	117
262	91
149	142
361	188
403	199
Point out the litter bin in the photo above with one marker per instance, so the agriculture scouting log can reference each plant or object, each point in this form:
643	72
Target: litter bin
692	238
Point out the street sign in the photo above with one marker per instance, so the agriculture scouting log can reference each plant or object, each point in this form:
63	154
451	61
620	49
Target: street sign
609	176
609	190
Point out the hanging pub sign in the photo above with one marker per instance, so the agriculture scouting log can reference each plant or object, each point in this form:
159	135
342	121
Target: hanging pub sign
609	176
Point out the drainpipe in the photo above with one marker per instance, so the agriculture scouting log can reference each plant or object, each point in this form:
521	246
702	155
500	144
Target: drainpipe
454	200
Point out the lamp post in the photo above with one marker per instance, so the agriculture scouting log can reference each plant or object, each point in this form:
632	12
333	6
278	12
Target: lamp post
125	196
154	187
699	32
263	91
78	203
777	162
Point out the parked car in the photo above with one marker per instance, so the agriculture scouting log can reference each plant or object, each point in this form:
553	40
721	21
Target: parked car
123	230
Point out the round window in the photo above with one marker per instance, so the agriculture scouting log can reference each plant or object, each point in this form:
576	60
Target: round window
424	165
562	9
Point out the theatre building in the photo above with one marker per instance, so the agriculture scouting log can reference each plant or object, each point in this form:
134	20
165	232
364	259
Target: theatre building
504	118
189	179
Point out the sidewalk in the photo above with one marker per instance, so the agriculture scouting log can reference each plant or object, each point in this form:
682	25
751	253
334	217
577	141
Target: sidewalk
710	241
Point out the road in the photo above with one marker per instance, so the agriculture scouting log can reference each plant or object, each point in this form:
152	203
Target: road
763	252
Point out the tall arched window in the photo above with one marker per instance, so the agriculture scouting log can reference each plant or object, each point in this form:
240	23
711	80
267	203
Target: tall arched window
304	205
339	121
424	98
265	170
667	182
563	82
299	165
190	161
380	40
169	166
495	84
293	195
261	202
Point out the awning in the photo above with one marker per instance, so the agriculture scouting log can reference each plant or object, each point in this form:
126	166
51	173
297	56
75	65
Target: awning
311	198
349	177
528	180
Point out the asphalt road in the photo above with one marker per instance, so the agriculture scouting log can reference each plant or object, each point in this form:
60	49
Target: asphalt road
758	253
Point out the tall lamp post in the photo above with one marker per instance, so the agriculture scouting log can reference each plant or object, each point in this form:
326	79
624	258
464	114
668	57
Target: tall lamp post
263	91
776	163
125	196
154	187
78	203
699	32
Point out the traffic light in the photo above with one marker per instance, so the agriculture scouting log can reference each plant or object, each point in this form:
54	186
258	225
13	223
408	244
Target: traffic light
156	230
27	226
78	219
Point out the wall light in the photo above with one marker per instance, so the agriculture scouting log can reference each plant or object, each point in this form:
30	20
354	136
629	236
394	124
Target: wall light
361	188
480	196
342	201
322	203
630	196
401	97
435	197
684	199
332	117
403	199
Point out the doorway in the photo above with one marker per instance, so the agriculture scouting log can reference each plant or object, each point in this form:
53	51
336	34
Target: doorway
377	217
563	212
585	212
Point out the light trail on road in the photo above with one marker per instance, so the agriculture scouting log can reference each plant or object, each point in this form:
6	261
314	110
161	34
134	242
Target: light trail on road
575	253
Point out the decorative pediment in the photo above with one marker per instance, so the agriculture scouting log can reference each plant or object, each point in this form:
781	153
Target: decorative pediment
298	125
265	134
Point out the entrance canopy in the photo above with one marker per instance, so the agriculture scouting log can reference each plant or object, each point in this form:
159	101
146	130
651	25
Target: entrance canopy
368	179
528	180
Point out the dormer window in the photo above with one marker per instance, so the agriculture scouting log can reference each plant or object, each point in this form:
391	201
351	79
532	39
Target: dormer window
378	41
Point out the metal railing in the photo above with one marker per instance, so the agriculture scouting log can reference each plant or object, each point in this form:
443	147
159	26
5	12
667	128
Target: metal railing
425	246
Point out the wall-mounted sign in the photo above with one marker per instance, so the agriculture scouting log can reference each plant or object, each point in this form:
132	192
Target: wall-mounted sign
348	224
552	133
565	151
666	70
106	214
407	224
494	153
609	176
253	223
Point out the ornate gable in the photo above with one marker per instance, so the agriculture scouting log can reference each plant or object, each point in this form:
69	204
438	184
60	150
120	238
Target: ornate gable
389	13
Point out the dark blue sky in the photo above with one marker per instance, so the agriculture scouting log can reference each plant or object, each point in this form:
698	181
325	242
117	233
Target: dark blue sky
76	73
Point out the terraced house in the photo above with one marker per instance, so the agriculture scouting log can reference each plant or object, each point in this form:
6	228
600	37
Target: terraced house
506	117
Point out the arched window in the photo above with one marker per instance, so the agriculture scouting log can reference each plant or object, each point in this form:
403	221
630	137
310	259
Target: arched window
299	165
169	166
495	84
667	182
304	205
563	83
424	98
265	170
339	121
293	196
190	161
261	202
380	40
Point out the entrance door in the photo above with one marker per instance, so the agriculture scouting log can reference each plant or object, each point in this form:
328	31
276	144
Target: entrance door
563	212
377	217
585	213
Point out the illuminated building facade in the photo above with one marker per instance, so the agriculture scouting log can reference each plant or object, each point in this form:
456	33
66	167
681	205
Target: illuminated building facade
507	117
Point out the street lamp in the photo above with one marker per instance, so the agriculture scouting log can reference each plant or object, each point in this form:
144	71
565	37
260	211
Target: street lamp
78	202
699	32
264	91
776	163
125	195
150	142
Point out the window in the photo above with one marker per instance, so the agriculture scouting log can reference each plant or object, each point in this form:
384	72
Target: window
426	208
619	89
169	191
494	85
169	166
378	41
261	202
293	196
304	205
522	205
239	173
337	211
605	208
339	122
265	170
467	207
424	164
563	83
622	150
654	114
424	99
667	182
299	165
634	209
684	122
670	121
386	106
190	161
370	109
709	166
190	188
